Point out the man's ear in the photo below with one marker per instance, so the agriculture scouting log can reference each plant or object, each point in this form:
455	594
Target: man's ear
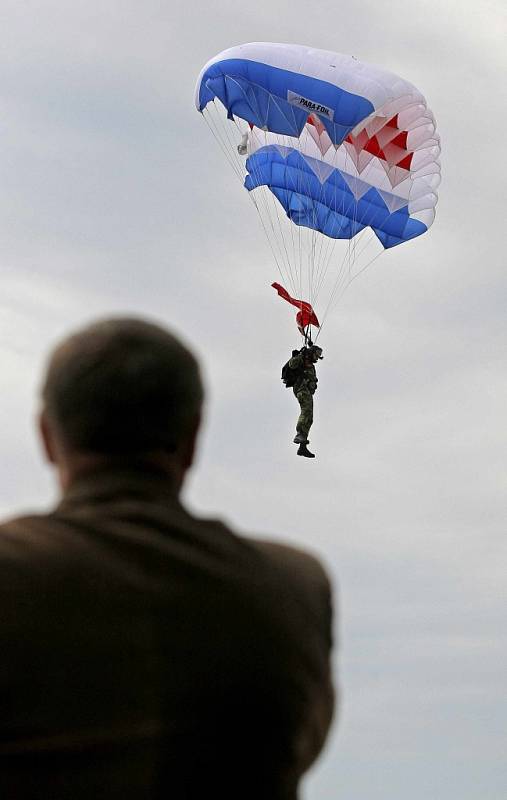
47	438
190	443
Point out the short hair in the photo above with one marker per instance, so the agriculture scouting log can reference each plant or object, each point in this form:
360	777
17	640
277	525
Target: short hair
122	387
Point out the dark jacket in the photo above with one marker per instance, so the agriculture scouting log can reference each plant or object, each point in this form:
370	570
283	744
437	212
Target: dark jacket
149	654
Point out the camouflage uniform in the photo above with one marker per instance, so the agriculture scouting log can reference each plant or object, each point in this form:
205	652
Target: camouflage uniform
304	389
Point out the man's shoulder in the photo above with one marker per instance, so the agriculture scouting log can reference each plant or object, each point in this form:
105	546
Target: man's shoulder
271	562
35	544
277	557
291	560
298	573
23	530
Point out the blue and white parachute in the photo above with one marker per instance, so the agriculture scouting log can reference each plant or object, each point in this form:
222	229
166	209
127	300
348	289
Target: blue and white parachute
343	147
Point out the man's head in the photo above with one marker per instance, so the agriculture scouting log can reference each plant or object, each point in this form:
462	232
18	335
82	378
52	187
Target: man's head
120	390
313	353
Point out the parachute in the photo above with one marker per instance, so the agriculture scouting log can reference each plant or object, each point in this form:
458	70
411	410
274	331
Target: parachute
329	148
306	316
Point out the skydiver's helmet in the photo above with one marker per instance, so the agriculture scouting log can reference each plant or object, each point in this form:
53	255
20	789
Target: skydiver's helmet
314	352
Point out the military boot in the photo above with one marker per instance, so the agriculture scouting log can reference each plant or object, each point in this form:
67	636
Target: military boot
303	451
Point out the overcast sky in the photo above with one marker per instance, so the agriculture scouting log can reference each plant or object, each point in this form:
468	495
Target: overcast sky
114	198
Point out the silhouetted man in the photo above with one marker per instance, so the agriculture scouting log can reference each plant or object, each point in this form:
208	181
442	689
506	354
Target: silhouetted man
146	653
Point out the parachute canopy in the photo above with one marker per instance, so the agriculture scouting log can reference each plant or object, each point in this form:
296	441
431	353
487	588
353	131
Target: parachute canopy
342	145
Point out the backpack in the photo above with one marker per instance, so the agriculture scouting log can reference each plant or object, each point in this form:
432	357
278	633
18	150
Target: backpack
290	375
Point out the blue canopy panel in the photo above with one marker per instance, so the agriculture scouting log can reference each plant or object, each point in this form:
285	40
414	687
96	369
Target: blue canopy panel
329	207
259	93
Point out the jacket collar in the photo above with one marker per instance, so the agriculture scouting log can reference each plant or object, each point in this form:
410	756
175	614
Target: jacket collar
102	484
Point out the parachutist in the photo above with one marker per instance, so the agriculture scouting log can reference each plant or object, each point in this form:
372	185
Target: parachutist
300	374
